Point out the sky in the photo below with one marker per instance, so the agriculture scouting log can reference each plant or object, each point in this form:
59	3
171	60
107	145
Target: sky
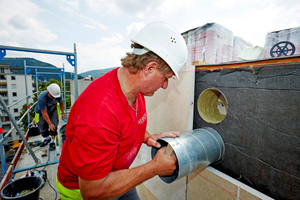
101	29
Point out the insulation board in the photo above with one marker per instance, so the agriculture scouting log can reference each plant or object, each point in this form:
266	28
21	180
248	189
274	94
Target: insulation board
261	130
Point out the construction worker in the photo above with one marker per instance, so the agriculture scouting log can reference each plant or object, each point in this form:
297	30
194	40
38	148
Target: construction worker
46	109
107	123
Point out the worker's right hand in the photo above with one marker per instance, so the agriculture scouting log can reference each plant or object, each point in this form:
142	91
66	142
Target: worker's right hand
163	163
52	127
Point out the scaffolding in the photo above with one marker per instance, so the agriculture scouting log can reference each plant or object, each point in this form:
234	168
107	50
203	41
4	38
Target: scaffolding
71	58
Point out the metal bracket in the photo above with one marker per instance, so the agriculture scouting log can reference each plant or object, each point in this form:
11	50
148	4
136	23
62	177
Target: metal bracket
28	70
2	53
71	60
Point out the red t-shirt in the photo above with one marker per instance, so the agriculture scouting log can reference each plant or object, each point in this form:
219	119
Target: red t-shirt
103	133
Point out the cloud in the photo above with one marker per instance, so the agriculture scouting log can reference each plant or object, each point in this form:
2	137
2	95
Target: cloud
20	20
137	8
133	29
95	25
66	5
103	6
107	52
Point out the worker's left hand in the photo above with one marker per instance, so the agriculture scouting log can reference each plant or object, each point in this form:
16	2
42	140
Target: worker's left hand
63	116
151	140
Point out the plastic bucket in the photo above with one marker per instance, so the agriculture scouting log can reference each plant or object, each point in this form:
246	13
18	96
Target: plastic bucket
194	150
28	183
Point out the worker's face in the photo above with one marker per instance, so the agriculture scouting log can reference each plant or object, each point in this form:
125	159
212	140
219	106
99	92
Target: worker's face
50	96
158	80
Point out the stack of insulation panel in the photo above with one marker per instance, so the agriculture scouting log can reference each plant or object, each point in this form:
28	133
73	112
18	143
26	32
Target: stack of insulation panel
239	44
213	43
290	35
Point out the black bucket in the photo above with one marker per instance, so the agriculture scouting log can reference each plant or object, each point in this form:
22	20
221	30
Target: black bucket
28	183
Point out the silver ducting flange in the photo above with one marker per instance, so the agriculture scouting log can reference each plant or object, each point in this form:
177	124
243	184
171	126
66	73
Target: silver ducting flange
194	150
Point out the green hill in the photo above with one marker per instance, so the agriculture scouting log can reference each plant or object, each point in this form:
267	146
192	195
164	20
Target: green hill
96	72
19	63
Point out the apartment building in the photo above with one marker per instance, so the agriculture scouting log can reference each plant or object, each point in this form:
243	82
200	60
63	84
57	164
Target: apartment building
12	89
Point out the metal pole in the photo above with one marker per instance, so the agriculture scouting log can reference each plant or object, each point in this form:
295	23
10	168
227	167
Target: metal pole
64	75
25	74
18	122
61	79
36	82
2	150
12	119
75	70
36	166
20	100
35	50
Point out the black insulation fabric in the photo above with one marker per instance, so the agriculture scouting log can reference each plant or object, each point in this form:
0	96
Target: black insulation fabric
261	130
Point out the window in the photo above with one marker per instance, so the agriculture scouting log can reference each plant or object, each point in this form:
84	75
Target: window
4	94
13	78
13	86
2	70
16	110
4	119
2	77
6	127
14	94
17	118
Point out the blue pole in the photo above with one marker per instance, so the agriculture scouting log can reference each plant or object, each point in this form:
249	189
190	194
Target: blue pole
28	114
2	150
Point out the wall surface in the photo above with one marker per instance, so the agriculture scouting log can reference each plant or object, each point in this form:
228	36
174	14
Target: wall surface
261	128
82	84
169	110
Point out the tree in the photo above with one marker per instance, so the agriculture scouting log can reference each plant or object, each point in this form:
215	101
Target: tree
42	87
24	125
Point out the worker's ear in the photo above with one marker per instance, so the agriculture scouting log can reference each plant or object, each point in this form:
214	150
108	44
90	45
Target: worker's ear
150	67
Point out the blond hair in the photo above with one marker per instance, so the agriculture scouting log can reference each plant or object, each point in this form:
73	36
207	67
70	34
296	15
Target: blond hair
138	62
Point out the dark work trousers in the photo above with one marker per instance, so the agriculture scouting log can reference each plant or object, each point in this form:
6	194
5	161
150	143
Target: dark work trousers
130	195
44	126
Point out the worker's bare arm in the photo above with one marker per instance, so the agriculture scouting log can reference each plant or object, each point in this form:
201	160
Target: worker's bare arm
47	119
62	108
119	182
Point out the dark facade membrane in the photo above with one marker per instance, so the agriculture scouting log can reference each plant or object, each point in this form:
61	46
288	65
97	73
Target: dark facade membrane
261	129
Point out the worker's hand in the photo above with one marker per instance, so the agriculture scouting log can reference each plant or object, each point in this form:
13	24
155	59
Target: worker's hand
52	127
163	163
151	140
63	116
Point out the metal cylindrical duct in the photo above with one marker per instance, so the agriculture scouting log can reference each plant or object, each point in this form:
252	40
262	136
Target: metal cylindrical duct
194	150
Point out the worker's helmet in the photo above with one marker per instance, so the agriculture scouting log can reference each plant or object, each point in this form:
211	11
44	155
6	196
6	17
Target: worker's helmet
54	90
165	41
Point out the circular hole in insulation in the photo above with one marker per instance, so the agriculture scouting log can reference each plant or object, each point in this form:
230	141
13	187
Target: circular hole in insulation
212	106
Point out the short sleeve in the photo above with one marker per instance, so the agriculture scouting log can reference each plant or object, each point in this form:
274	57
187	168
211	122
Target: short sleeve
95	152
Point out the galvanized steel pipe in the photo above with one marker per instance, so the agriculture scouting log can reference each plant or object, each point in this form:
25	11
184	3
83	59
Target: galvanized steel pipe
194	150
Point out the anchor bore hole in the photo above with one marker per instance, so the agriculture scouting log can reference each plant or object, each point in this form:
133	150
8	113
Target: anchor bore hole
212	106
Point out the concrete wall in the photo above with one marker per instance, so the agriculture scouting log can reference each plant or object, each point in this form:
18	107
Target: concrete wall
82	84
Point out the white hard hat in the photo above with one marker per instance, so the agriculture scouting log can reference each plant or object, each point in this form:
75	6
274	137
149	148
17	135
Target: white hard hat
165	41
54	90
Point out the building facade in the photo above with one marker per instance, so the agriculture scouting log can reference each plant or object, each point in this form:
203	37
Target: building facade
12	89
